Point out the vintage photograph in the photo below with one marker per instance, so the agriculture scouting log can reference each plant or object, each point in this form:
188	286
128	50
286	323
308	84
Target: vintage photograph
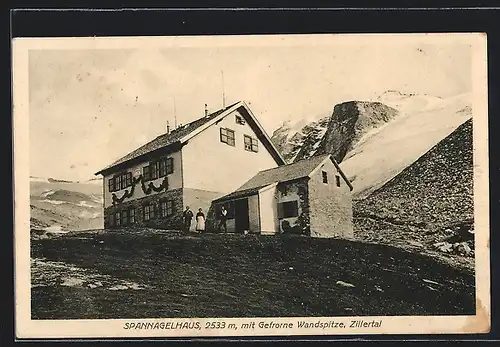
315	183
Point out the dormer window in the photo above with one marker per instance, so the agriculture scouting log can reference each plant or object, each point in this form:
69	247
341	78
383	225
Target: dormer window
227	136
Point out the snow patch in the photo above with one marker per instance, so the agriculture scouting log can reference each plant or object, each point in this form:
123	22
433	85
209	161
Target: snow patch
54	202
85	204
51	273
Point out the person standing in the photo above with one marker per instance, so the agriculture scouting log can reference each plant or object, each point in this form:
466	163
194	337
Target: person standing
223	219
188	216
200	221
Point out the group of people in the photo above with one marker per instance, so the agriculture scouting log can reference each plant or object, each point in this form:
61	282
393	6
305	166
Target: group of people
200	220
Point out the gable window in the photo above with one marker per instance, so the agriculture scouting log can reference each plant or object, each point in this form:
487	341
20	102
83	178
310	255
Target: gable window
288	209
251	144
149	212
166	208
337	179
227	136
240	120
131	216
118	219
325	176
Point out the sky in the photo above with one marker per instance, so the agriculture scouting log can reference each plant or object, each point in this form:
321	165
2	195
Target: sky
90	106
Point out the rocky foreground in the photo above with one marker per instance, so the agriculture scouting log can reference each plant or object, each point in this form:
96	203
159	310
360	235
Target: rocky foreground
429	205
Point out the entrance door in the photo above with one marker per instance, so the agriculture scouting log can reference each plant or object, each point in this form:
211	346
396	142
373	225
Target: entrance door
241	218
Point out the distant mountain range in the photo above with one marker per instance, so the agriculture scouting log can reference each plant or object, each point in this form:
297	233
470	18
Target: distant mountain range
59	205
96	180
375	140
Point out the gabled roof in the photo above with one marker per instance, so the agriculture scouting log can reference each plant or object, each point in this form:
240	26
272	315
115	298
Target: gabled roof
186	132
300	169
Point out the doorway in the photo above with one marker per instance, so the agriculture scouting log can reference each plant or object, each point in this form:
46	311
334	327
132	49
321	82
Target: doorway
241	217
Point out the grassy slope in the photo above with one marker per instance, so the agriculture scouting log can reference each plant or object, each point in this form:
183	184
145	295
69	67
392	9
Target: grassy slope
236	275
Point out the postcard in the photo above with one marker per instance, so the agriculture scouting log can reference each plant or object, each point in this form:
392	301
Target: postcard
251	185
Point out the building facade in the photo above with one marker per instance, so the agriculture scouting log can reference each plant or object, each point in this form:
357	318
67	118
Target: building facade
189	166
310	197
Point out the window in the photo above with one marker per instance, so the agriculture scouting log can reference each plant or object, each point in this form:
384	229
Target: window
166	208
120	181
251	144
156	170
118	219
169	165
111	184
149	212
288	209
131	216
124	217
337	178
128	179
162	167
111	220
240	119
146	173
227	136
325	176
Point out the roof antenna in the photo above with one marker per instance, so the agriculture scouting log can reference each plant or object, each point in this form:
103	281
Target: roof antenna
175	115
223	93
206	110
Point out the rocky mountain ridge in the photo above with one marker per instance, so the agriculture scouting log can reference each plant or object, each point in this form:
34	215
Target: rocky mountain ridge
375	140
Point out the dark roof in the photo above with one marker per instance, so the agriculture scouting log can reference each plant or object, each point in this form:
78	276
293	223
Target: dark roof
240	193
165	140
299	169
284	173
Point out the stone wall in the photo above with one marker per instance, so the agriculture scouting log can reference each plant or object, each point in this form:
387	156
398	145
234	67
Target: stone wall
295	191
173	222
330	205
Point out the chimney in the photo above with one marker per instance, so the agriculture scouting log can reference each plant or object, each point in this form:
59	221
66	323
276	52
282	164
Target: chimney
168	128
206	110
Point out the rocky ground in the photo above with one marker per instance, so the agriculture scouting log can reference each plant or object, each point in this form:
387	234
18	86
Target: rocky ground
429	205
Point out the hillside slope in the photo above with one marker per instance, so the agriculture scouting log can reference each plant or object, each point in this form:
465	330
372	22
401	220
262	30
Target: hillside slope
58	205
436	191
429	201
